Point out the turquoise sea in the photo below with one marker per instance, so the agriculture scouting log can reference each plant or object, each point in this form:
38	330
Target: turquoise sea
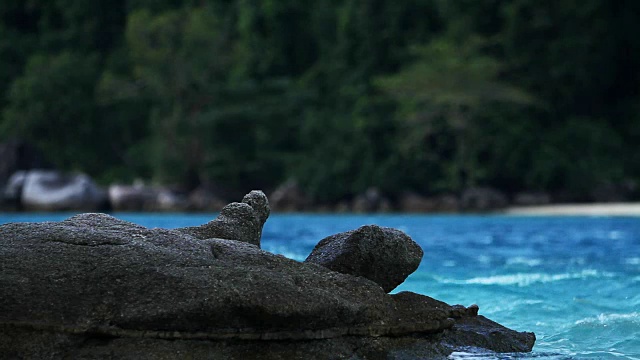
574	281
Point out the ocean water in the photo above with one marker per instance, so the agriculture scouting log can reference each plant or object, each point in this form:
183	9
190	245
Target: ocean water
574	281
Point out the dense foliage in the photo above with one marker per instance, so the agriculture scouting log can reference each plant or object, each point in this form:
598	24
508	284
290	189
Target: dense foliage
423	95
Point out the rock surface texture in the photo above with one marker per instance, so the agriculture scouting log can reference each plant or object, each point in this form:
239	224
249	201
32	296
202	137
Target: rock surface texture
384	255
95	287
236	221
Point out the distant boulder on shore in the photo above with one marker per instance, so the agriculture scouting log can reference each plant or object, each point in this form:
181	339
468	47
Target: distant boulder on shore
51	190
96	287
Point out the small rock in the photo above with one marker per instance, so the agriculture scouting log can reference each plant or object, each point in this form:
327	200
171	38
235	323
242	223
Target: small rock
13	189
236	221
260	204
483	199
371	200
205	199
168	200
135	197
531	198
289	197
416	203
384	255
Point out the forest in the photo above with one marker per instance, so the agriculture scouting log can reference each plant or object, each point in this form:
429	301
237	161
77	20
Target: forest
429	96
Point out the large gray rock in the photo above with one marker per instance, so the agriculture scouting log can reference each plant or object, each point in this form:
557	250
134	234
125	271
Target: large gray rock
136	197
384	255
95	287
50	190
236	221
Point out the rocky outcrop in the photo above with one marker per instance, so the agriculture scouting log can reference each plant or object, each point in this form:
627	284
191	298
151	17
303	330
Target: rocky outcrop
237	221
384	255
96	287
50	190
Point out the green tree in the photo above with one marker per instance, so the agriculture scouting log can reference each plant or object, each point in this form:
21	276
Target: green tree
442	93
51	105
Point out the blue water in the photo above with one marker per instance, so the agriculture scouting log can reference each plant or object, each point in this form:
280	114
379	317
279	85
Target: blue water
574	281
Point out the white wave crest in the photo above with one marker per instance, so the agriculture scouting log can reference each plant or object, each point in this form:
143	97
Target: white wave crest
524	261
526	279
605	319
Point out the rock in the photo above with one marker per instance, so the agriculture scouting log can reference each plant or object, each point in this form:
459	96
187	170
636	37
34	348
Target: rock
204	199
236	221
95	287
342	207
50	190
13	189
371	201
260	204
610	192
531	198
136	197
384	255
289	197
483	199
170	200
414	203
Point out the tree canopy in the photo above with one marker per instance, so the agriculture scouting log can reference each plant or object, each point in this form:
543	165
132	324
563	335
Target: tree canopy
423	95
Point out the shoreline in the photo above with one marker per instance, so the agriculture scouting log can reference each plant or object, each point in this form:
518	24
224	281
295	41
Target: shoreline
592	209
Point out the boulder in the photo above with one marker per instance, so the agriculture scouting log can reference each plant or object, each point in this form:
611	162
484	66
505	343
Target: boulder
415	203
609	192
13	188
483	199
370	201
236	221
50	190
384	255
136	197
170	200
289	197
205	199
531	199
96	287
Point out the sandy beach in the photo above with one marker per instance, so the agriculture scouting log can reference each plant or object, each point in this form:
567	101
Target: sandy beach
596	209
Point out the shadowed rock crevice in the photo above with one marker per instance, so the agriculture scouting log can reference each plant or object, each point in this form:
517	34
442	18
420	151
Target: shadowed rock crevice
94	286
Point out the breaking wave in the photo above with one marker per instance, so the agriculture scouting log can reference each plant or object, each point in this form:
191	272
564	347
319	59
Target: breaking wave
526	279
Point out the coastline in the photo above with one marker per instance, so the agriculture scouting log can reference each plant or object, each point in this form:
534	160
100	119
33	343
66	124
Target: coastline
592	209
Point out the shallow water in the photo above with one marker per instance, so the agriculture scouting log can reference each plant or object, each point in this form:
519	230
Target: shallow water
574	281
